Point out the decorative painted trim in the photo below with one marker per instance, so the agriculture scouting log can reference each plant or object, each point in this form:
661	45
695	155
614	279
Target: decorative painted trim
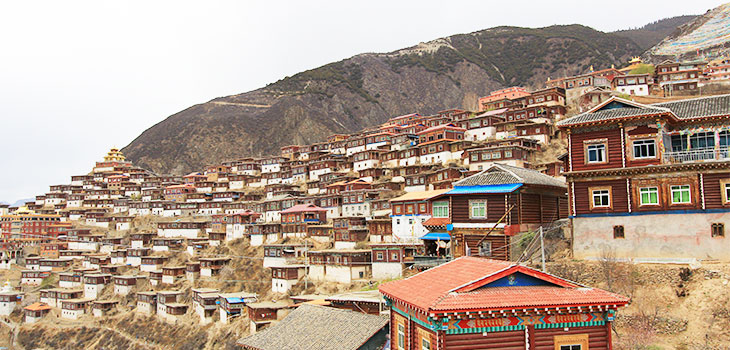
572	195
570	151
623	145
702	190
432	327
570	324
628	194
485	330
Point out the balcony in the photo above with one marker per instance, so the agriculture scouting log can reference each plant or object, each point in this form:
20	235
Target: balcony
697	155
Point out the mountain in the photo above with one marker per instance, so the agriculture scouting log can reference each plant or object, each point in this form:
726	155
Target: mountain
707	35
19	202
367	89
654	32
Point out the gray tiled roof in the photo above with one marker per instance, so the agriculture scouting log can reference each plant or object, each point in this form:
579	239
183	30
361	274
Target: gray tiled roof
500	174
607	114
684	109
311	327
699	107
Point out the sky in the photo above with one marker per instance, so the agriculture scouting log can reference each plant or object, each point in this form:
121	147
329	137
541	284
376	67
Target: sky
80	77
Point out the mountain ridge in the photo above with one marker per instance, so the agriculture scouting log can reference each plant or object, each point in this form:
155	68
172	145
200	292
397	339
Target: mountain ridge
364	90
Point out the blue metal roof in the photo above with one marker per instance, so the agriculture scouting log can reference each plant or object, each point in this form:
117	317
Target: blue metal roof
234	300
436	236
503	188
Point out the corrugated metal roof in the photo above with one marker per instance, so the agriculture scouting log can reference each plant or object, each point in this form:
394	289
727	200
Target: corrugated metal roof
436	236
504	188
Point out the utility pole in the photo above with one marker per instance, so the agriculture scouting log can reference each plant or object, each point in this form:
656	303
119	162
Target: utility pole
306	264
542	249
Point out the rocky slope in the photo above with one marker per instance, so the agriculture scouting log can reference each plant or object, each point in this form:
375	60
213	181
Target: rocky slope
366	89
708	35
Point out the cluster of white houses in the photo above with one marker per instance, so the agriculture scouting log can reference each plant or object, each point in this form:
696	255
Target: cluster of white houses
650	182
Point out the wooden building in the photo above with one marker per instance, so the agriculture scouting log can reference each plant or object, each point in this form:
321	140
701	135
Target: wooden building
477	303
650	182
485	210
339	265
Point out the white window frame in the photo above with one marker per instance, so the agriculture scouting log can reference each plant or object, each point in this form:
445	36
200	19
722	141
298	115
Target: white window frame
600	149
485	247
425	344
601	192
474	204
681	188
401	337
647	145
440	209
648	190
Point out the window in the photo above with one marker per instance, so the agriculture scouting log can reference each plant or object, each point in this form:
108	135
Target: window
394	256
725	189
618	232
496	155
425	344
441	209
596	153
478	209
485	248
474	157
644	149
718	230
570	347
380	256
409	209
601	198
508	154
649	195
401	337
680	194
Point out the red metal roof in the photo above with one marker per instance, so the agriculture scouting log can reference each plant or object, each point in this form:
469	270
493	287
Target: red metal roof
501	298
459	286
437	222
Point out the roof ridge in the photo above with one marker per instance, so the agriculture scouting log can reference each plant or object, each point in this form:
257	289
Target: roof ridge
689	99
482	278
501	166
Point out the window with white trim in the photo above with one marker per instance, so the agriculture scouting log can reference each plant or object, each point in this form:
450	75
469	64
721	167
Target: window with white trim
596	153
441	209
725	189
680	194
485	248
649	196
644	149
477	209
571	347
401	337
425	344
601	198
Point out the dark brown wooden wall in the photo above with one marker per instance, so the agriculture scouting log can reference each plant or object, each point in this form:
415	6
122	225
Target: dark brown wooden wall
511	340
713	192
597	337
495	208
619	196
613	151
499	242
